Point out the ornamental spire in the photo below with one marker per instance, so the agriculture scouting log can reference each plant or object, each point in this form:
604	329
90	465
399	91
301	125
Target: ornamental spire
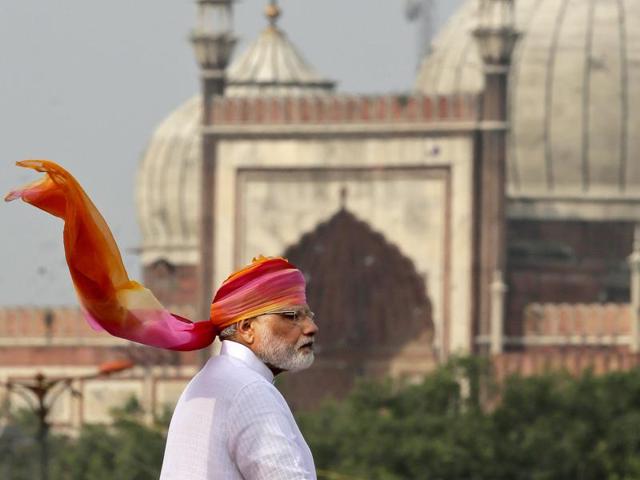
272	12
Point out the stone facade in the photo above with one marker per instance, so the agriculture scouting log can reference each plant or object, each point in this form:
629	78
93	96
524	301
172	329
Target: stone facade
288	166
277	182
468	218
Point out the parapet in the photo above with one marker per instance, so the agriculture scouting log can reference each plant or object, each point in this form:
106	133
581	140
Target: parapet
345	109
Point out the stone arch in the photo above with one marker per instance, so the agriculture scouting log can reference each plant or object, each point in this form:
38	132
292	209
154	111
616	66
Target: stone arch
371	305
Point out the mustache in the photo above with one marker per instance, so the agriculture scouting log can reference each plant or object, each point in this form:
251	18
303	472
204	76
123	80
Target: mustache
304	341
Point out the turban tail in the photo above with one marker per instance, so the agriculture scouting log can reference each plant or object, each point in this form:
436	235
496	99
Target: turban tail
126	309
109	300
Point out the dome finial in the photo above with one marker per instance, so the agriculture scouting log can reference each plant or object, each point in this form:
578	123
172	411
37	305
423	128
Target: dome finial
344	195
272	12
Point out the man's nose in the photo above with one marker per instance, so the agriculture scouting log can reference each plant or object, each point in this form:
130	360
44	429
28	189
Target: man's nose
310	327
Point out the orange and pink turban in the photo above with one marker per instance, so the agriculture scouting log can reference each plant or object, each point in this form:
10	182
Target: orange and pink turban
125	308
267	285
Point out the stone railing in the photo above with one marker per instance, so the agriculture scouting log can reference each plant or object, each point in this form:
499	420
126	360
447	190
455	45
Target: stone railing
574	362
575	325
344	109
21	323
57	326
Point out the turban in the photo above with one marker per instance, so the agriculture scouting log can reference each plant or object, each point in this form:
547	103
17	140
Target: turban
111	301
268	284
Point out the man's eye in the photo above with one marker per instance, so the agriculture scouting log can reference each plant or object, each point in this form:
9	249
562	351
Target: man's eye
290	315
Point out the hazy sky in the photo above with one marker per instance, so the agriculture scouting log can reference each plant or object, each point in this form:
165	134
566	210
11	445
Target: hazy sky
85	82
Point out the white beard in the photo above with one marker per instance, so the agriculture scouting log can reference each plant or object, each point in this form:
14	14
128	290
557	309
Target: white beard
277	353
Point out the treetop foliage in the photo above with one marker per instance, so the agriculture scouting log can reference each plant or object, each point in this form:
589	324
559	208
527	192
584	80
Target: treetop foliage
459	424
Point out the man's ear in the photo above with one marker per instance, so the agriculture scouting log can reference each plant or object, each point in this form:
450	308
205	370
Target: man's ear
245	330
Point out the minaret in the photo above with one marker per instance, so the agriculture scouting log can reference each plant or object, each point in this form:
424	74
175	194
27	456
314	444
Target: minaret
213	43
496	37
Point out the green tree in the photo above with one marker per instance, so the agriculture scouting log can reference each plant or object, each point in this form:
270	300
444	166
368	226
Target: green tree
558	427
18	449
384	431
539	428
128	449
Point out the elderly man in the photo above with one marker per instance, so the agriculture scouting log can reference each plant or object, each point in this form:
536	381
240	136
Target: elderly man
231	422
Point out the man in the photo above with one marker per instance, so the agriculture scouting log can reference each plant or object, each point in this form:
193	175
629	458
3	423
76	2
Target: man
231	422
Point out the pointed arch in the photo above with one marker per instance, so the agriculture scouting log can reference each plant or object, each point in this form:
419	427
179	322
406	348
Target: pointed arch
370	302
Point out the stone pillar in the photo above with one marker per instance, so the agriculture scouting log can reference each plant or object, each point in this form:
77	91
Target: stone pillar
491	213
634	267
496	37
148	395
498	295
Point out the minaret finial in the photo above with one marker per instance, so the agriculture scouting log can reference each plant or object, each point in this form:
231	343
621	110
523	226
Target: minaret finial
272	13
344	194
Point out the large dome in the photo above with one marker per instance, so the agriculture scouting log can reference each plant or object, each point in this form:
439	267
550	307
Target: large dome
168	188
168	182
573	102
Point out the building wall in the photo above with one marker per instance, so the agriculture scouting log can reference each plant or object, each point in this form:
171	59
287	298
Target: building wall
157	389
58	343
571	262
414	190
175	285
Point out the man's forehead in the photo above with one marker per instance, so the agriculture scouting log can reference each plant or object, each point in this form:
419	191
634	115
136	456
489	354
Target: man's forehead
296	306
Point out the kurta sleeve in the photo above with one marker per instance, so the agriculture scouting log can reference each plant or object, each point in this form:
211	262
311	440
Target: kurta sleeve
264	441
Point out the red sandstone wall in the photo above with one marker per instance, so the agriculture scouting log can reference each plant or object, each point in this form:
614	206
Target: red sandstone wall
585	263
174	285
573	361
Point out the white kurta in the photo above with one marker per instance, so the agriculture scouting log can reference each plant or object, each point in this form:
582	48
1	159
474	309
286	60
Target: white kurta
232	423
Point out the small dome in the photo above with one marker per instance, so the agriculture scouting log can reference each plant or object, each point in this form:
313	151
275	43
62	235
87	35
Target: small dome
168	181
574	81
273	66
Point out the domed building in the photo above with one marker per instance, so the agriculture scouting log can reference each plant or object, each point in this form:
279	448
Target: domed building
572	168
500	196
494	209
574	82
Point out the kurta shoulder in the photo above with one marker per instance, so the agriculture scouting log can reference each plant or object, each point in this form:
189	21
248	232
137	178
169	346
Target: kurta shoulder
258	395
263	438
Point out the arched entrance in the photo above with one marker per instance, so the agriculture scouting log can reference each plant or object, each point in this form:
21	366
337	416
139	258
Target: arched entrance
372	309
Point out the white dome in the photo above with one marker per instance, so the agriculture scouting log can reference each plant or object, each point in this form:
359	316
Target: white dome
168	188
575	89
168	181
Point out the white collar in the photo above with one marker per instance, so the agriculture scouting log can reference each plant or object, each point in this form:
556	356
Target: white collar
246	356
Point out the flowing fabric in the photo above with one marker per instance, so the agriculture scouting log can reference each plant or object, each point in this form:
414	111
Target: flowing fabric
109	299
125	308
